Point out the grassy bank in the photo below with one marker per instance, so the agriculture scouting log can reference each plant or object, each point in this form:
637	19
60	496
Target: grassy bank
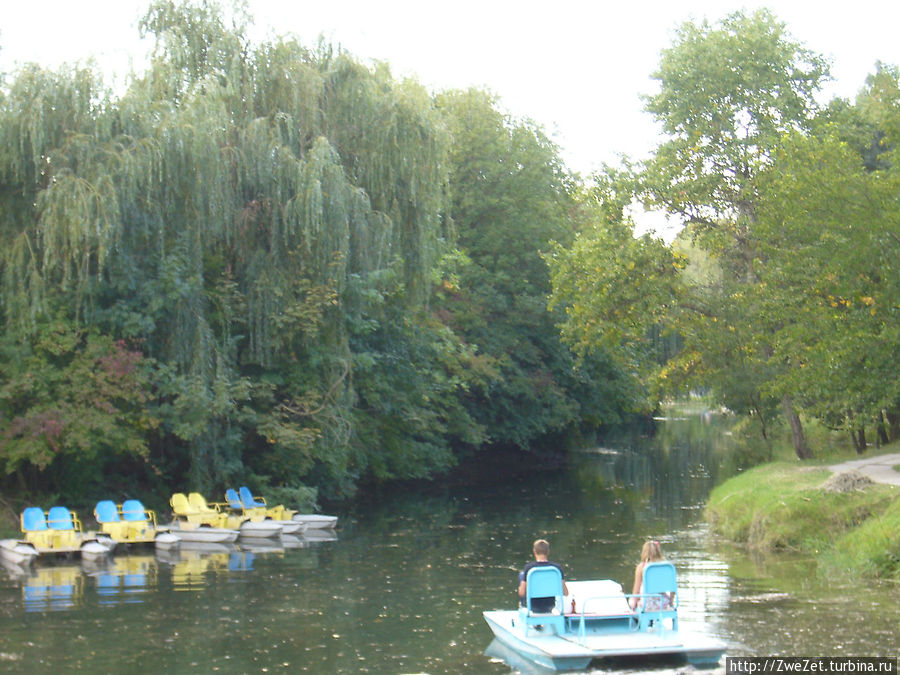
783	506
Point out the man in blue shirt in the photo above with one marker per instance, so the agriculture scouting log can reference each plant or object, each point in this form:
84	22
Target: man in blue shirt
541	551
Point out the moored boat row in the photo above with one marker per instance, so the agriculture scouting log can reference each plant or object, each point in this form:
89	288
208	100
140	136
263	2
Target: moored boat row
59	531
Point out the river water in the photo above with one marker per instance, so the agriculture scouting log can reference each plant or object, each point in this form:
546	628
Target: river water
402	586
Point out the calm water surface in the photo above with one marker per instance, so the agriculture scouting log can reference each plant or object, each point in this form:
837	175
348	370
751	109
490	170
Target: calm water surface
402	588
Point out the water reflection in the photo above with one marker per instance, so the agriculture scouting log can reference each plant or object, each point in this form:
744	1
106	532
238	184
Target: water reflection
125	579
51	589
404	588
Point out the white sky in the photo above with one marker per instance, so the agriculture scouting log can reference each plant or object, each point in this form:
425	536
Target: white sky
577	67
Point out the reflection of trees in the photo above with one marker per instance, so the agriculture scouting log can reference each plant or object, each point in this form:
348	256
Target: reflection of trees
661	475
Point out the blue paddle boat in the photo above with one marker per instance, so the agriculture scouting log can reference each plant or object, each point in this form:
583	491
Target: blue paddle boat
59	531
596	621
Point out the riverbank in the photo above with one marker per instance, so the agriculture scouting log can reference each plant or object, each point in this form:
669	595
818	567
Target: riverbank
849	526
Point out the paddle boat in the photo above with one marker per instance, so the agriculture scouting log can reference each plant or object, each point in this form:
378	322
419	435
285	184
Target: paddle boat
59	531
259	512
311	521
596	621
131	523
202	527
193	513
247	528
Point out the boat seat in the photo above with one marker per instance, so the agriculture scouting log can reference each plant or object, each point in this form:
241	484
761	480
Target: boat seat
543	581
140	521
33	520
198	503
183	508
180	505
34	525
234	500
65	526
107	515
204	513
60	518
250	502
236	504
659	595
133	511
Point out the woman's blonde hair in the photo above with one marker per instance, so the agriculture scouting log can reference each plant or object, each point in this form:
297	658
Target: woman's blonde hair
651	552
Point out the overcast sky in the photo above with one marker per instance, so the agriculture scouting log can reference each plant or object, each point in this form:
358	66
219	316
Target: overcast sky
576	67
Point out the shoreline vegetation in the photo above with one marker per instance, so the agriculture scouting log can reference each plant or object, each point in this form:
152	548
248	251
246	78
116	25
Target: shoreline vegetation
788	507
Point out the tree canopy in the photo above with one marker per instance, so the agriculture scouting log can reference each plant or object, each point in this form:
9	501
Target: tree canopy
272	264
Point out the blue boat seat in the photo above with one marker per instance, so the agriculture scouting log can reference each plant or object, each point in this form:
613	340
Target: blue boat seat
141	523
106	512
65	526
107	515
659	595
60	518
543	581
33	520
234	500
133	511
34	525
248	500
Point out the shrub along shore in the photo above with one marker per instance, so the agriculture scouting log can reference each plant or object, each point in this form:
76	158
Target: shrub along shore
782	506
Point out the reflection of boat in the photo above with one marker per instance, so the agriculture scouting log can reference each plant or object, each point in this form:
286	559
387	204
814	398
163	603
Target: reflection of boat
192	562
17	551
241	561
59	531
293	541
263	545
52	588
125	579
131	523
601	623
314	535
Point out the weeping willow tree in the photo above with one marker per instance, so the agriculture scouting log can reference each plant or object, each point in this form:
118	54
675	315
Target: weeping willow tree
243	217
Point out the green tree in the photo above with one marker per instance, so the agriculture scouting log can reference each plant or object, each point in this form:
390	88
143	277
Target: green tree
727	94
230	214
829	231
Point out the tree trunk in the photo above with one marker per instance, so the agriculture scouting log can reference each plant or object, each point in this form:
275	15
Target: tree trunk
882	438
894	425
859	440
801	447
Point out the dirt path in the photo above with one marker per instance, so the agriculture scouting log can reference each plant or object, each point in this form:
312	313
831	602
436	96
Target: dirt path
880	468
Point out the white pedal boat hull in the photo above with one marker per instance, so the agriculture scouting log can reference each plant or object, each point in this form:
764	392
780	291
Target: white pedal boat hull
316	521
17	552
203	534
263	529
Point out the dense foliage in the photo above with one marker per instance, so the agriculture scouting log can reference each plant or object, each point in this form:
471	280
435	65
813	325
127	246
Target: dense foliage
272	265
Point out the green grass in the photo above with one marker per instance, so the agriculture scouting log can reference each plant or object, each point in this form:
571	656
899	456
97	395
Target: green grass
873	548
780	506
